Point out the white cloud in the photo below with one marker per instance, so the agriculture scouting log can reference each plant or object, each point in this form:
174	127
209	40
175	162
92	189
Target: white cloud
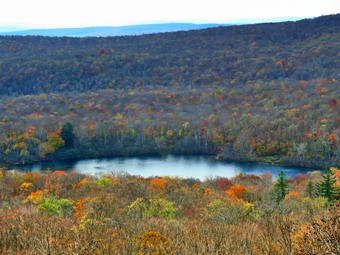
76	13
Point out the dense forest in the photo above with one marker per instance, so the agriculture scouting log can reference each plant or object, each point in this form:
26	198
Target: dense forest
265	92
71	213
226	56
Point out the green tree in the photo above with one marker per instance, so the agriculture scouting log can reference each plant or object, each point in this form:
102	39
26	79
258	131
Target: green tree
311	189
327	188
54	206
280	189
153	207
67	134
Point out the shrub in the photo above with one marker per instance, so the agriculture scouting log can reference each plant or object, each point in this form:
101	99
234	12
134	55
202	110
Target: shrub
154	207
103	182
54	206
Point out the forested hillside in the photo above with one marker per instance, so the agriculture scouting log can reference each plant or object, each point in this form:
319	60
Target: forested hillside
266	92
227	56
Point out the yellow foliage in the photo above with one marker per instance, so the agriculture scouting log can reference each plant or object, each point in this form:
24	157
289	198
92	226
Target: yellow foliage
26	187
20	145
118	116
319	237
36	197
153	242
169	133
31	177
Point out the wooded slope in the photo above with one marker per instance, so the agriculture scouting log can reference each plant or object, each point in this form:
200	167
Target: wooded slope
226	56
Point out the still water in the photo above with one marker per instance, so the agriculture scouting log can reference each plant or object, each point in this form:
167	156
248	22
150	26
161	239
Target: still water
200	167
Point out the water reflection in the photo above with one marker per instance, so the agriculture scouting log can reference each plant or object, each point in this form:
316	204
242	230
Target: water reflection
182	166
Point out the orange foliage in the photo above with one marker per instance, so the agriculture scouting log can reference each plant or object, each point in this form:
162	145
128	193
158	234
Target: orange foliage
20	145
303	82
292	195
279	63
153	242
236	192
79	208
31	177
332	138
159	182
82	182
26	187
59	173
337	173
36	197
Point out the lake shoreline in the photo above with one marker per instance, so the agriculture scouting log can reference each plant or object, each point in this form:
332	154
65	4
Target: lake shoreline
281	161
182	166
272	160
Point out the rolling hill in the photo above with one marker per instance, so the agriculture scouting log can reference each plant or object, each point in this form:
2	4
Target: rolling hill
111	31
264	92
302	50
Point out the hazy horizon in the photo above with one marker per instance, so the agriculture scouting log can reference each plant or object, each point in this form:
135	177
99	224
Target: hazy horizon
196	22
38	14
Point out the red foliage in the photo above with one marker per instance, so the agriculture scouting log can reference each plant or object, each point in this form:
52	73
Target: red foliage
192	211
300	178
224	184
332	102
332	138
266	176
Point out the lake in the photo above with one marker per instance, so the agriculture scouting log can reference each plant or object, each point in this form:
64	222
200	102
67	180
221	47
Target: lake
199	167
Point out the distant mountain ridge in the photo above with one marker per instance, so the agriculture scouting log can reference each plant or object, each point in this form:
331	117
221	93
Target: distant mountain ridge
113	31
225	56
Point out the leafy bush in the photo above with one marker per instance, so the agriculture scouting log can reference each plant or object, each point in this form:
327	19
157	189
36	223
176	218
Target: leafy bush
54	206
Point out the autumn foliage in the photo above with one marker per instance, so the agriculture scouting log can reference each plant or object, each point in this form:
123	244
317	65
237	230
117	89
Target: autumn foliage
68	212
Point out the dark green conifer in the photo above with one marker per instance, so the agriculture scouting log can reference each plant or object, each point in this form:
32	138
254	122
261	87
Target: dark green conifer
311	189
280	189
327	188
67	134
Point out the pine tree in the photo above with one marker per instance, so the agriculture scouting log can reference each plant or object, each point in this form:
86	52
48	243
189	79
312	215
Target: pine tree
326	188
311	189
280	189
67	134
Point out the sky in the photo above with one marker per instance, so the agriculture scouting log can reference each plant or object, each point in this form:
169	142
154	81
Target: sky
82	13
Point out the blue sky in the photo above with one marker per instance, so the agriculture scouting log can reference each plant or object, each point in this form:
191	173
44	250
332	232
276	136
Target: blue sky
82	13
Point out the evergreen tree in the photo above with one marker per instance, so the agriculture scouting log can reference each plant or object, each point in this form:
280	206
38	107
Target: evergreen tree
280	189
326	188
311	189
67	134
